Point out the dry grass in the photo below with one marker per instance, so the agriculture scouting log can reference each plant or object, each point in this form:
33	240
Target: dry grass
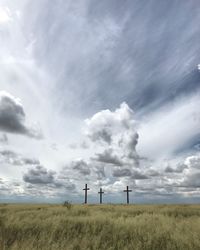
28	227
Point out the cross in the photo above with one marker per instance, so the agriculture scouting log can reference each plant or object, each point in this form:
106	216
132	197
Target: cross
127	193
100	192
86	189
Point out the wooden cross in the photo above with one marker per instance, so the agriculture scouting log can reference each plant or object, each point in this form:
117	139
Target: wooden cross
127	193
100	192
86	189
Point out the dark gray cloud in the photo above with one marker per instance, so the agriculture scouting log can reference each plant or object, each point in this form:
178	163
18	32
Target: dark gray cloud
108	157
129	143
193	162
192	181
101	135
169	169
197	146
179	168
131	173
29	161
39	175
81	166
152	173
136	175
121	172
8	153
11	157
100	172
12	117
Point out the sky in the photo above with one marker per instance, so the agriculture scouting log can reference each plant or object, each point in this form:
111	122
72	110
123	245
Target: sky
100	92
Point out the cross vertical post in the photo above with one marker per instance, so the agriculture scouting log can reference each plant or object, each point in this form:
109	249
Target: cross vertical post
86	189
100	192
127	193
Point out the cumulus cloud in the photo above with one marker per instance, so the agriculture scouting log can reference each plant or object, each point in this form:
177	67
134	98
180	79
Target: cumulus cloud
152	173
171	184
39	175
192	174
30	161
103	125
81	166
108	157
192	180
132	174
193	162
176	181
178	169
136	175
115	131
121	172
113	137
13	158
100	172
12	117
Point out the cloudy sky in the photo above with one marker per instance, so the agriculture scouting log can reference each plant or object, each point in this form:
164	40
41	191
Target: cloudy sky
99	92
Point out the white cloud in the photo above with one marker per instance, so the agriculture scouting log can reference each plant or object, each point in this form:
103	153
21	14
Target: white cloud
115	132
103	125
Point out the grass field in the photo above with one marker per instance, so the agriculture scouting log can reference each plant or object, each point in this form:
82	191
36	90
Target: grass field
26	227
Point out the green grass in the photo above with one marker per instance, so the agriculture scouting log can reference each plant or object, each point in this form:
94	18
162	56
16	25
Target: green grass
27	227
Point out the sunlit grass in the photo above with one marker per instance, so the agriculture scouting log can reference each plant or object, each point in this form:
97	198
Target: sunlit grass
24	227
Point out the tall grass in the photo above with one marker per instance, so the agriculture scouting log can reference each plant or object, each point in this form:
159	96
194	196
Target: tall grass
30	227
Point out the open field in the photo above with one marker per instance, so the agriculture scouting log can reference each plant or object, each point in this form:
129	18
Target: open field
26	227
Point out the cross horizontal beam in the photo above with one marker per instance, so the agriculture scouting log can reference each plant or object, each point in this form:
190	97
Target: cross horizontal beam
127	190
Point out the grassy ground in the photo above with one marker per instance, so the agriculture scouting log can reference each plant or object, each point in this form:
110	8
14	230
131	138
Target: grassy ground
27	227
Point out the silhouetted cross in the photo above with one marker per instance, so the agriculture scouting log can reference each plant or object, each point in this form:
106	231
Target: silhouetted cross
127	193
86	189
100	192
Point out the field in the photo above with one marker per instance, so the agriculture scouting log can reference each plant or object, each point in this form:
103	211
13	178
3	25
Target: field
27	227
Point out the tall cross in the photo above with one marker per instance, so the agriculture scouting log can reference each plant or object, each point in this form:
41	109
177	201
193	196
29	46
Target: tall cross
127	193
86	189
100	192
